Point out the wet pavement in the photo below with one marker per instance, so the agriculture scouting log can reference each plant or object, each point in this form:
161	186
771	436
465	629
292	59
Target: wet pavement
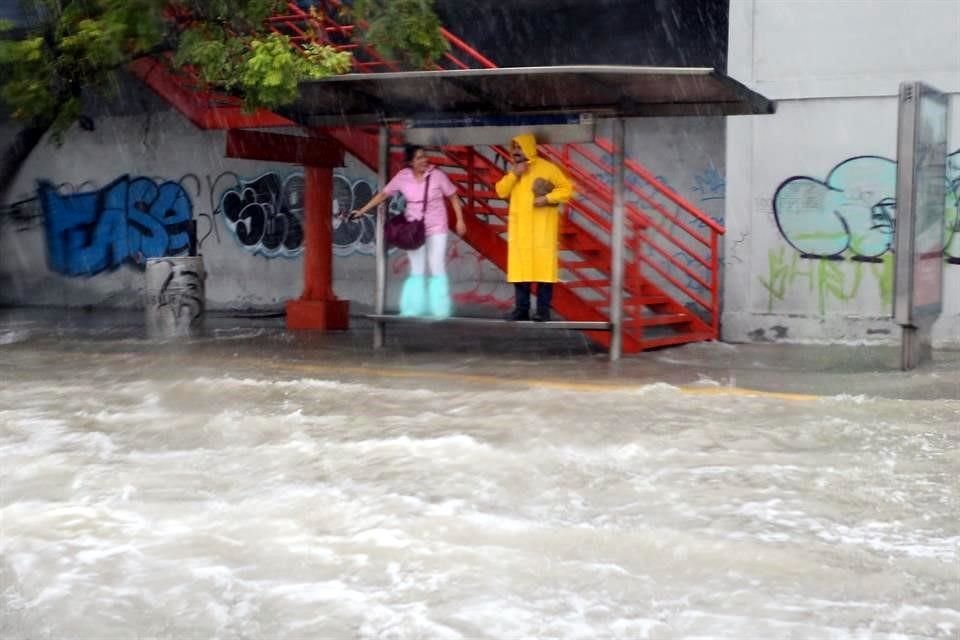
490	355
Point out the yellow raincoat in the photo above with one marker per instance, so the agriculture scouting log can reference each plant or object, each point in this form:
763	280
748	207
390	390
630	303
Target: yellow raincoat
533	232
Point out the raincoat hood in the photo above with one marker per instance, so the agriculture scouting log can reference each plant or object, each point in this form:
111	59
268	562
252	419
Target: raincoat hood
528	144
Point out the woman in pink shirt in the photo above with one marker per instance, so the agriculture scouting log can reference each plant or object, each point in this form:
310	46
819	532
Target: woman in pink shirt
421	294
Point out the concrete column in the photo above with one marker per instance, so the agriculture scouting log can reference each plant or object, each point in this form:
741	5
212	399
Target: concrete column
318	307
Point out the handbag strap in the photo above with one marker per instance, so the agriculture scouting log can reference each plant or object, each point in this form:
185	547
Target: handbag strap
426	188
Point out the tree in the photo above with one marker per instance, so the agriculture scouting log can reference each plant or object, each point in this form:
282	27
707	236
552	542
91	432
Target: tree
82	44
405	30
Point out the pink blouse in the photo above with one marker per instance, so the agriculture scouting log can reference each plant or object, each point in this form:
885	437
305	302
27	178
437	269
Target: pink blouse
435	218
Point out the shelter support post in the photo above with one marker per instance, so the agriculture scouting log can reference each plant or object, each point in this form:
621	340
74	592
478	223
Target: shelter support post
616	242
915	347
318	307
380	295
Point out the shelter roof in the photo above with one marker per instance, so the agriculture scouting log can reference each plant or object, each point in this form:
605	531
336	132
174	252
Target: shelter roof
602	90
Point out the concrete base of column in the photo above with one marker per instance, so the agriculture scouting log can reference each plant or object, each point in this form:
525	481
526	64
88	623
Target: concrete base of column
322	315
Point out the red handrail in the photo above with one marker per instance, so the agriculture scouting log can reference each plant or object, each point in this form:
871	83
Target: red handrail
470	51
639	193
677	199
676	283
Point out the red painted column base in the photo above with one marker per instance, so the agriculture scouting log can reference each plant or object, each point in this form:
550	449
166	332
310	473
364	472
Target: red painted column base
322	315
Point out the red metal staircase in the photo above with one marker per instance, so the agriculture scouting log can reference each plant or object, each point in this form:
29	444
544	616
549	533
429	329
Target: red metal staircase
672	248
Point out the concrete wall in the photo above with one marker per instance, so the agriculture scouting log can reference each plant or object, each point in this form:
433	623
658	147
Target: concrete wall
687	154
827	159
158	165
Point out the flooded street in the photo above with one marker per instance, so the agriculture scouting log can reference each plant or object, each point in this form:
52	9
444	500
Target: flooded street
152	495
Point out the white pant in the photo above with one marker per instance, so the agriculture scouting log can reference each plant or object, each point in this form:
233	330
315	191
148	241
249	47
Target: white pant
433	252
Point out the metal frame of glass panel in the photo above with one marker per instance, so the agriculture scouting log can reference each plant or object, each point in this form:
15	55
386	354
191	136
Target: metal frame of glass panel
921	191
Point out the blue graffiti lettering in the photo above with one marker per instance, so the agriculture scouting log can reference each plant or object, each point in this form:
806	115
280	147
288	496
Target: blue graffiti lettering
127	221
709	184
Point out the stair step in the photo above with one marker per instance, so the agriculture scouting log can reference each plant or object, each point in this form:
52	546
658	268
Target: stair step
496	211
444	161
679	338
660	319
587	253
456	163
483	195
498	218
644	301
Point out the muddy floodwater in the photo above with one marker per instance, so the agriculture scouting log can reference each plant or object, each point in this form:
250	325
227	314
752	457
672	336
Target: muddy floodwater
229	492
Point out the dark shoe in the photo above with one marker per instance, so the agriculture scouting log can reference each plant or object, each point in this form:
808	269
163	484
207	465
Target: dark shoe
542	316
519	315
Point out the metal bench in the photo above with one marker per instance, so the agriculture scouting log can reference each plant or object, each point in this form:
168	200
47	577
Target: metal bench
576	325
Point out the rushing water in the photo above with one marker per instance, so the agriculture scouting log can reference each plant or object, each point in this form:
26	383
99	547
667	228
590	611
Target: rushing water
167	500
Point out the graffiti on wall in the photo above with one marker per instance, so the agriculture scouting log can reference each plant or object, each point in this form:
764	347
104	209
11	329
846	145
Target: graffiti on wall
705	188
831	281
91	229
128	220
951	247
265	214
709	184
849	218
852	213
175	297
352	236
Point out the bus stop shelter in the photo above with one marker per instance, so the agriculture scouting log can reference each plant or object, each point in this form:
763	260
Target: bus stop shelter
464	102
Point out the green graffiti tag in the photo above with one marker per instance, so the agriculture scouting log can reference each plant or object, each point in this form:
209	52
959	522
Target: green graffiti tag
831	280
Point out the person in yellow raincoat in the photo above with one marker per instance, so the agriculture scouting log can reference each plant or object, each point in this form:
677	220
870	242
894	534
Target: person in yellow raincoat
535	188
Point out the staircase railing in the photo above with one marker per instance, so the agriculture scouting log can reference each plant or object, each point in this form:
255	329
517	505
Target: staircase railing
673	244
327	22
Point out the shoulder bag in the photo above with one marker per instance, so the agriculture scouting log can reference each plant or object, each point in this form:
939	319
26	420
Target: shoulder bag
408	234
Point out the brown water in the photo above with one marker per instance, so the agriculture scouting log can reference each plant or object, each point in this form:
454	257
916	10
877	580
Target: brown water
148	496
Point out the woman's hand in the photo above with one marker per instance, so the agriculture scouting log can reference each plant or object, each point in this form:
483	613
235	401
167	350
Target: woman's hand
461	227
356	214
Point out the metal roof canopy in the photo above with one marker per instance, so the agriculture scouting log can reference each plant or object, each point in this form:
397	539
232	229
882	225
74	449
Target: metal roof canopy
470	95
612	91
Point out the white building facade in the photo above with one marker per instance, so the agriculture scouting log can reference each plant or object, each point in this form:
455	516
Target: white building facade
810	198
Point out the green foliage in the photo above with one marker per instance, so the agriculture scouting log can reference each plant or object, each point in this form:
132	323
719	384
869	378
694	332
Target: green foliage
82	43
43	73
45	70
271	75
405	30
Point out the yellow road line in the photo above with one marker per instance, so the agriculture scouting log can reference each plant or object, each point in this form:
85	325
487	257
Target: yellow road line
741	391
384	372
490	379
